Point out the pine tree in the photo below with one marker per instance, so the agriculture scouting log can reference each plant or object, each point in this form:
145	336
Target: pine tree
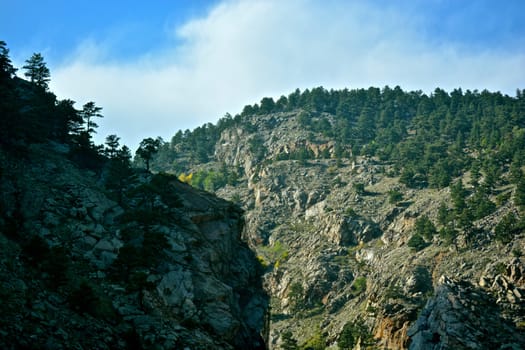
6	68
147	148
37	71
88	112
112	143
119	171
519	193
67	120
458	194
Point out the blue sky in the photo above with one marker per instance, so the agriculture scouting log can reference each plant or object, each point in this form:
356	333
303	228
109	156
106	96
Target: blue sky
159	66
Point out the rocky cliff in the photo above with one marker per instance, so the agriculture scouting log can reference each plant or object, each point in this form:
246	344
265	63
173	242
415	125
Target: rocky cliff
340	267
163	269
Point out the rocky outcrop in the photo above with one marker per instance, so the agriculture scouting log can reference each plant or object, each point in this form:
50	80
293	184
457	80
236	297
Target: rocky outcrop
347	231
462	316
165	269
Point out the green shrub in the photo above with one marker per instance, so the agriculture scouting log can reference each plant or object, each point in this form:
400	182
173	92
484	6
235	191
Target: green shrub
277	253
315	342
147	250
128	258
262	262
359	285
359	188
394	196
350	212
53	261
507	228
352	332
425	227
500	268
296	296
417	243
448	234
288	342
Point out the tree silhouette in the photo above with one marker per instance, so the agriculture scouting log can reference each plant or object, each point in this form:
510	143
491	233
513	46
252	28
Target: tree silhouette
88	112
147	148
37	71
6	68
112	143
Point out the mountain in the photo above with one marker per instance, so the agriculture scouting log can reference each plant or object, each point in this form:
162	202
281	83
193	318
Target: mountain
95	254
383	219
349	219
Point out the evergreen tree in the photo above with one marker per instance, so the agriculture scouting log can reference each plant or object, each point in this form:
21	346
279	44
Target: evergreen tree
416	242
519	193
352	333
443	214
296	296
119	171
267	105
147	149
516	174
480	204
37	71
7	71
425	227
507	228
88	112
458	194
9	102
67	120
112	145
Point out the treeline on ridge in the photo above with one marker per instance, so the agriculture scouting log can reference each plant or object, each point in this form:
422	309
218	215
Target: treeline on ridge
430	139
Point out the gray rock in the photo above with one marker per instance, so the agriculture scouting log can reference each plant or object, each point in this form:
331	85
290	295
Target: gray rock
175	287
105	245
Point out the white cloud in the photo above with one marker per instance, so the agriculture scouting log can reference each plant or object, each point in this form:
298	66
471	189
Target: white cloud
242	51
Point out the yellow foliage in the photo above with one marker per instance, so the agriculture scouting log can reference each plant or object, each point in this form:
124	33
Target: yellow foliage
262	261
186	178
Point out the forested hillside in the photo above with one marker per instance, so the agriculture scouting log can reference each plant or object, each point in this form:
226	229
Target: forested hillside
383	218
429	138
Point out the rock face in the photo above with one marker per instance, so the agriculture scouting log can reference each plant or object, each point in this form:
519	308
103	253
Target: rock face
463	316
165	269
336	248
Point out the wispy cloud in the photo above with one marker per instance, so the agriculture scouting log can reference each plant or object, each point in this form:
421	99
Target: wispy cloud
242	51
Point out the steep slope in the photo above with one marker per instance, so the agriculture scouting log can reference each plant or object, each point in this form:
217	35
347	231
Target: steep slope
164	269
337	231
340	253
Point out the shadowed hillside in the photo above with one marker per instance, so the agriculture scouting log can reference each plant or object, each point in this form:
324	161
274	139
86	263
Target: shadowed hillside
95	254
